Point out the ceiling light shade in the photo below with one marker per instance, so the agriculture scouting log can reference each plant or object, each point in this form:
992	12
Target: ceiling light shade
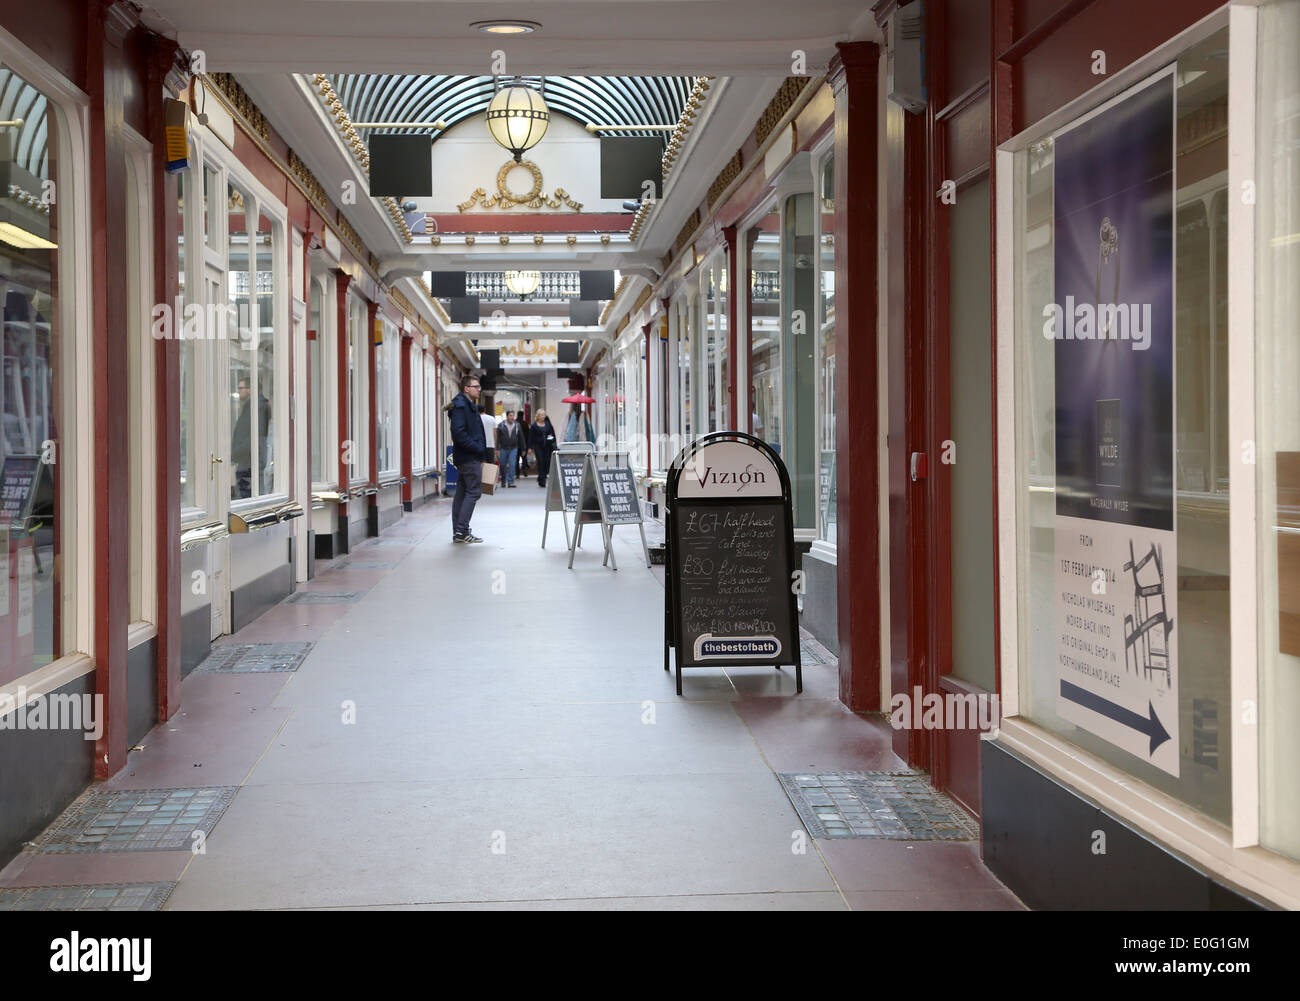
523	283
506	27
517	119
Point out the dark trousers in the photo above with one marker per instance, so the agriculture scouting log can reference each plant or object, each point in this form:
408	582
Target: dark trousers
543	467
469	488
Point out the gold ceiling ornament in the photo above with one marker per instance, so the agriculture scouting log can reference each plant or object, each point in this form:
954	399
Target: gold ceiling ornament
538	239
435	240
570	239
504	238
469	241
534	198
604	239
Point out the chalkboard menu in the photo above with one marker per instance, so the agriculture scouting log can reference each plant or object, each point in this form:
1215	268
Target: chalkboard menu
18	486
729	599
563	491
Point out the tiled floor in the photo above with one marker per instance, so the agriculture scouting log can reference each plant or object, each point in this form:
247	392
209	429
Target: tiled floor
483	728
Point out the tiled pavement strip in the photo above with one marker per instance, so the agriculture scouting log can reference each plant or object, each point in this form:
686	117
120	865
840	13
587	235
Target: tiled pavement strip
483	728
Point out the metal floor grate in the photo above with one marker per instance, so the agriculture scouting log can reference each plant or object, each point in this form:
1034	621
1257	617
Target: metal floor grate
135	820
254	658
105	897
900	806
323	597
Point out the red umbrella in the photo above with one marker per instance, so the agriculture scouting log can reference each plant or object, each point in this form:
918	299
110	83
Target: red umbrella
578	398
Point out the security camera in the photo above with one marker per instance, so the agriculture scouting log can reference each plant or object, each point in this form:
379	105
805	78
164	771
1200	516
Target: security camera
631	205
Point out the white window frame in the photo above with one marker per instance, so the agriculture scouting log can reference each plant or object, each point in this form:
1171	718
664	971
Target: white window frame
77	417
358	312
328	354
388	390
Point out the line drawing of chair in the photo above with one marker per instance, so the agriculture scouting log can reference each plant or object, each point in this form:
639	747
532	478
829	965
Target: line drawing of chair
1148	645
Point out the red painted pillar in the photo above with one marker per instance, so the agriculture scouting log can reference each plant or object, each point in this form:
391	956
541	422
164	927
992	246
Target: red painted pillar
733	316
405	408
167	389
853	78
346	451
372	312
751	238
106	75
649	451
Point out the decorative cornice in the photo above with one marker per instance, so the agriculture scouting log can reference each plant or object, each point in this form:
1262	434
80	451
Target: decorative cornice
401	302
780	104
643	298
639	219
684	234
677	140
243	105
349	233
315	190
728	174
352	139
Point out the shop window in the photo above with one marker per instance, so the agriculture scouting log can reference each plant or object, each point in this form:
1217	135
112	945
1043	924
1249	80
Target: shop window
316	355
1122	536
356	448
189	498
387	433
32	248
251	338
799	277
827	497
765	395
417	406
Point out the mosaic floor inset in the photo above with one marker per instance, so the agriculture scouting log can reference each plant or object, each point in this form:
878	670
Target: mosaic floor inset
323	597
106	897
135	820
254	658
901	806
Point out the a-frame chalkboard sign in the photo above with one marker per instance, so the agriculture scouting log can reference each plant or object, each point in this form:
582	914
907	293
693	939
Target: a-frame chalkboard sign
567	463
729	596
608	496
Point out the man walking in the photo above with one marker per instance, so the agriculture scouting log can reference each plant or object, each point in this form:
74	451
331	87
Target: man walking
469	449
509	436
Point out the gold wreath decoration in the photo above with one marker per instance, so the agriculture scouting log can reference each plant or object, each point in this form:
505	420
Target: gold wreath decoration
535	198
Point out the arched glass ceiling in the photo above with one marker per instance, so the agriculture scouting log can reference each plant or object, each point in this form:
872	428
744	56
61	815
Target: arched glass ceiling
597	100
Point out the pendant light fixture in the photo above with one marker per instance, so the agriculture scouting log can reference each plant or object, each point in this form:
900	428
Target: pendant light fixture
517	118
522	283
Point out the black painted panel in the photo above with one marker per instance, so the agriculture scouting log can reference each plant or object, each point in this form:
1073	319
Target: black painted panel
1039	836
311	554
196	638
42	772
260	595
372	521
141	689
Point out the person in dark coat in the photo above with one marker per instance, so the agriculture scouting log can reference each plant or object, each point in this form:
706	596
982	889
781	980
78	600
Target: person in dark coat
541	442
469	449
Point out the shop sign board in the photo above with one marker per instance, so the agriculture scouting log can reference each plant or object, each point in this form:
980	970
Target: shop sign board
563	483
1112	322
607	496
729	597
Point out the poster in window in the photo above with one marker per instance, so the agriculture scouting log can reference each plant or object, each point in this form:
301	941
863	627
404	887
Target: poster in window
1112	323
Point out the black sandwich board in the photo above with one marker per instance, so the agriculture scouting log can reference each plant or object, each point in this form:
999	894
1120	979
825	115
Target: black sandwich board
608	496
18	484
565	483
729	596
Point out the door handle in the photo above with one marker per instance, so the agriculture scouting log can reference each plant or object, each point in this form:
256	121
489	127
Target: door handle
920	466
212	461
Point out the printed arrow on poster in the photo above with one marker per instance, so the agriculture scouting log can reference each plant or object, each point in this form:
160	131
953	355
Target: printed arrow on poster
1150	726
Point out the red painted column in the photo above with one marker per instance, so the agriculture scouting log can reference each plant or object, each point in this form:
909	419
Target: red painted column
751	238
372	311
167	390
342	281
106	76
853	78
405	407
733	317
649	403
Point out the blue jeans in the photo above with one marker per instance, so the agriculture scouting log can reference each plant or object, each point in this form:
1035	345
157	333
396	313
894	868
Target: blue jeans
509	462
469	488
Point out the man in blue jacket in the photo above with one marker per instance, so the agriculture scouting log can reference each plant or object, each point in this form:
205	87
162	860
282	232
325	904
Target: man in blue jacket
469	448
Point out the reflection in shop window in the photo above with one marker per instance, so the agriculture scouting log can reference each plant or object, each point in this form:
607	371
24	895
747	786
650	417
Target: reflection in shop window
30	248
765	328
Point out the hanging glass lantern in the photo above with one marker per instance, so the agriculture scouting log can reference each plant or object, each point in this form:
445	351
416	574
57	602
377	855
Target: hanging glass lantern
523	283
517	118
